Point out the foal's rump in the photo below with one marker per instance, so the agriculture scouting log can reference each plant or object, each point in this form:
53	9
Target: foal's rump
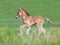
39	19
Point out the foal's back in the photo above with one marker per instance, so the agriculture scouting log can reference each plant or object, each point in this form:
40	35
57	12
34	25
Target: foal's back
36	20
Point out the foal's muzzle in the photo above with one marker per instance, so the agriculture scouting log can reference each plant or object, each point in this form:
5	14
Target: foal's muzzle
16	17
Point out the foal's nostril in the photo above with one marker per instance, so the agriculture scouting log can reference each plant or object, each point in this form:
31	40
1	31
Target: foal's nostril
16	17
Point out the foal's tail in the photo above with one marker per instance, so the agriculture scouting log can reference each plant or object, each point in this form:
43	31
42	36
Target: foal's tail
49	21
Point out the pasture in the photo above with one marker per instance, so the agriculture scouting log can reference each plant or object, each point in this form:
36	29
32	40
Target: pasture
9	26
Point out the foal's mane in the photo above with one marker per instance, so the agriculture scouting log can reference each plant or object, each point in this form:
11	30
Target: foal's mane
26	12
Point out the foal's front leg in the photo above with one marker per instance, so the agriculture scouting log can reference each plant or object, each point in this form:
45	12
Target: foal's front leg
28	29
21	28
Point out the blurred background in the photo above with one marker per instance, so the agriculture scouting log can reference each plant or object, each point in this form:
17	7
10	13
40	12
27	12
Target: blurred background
9	26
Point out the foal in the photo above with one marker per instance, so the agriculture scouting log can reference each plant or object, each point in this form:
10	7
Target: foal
31	20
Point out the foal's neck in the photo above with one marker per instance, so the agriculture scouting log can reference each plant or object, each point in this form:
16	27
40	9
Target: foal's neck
25	16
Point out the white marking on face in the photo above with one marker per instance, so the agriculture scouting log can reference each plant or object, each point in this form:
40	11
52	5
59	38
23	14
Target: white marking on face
16	16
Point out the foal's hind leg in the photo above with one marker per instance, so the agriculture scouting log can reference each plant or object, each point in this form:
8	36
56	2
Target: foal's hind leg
41	29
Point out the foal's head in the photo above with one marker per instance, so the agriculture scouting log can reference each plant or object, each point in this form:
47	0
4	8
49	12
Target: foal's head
21	12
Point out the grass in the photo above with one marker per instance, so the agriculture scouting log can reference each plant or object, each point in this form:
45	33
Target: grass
8	36
9	26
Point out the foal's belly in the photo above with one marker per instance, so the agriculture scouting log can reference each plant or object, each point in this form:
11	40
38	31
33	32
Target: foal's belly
29	22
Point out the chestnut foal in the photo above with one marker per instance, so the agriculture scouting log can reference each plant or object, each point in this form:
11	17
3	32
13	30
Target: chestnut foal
31	20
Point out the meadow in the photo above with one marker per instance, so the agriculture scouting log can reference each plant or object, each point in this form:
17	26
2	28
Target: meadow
9	26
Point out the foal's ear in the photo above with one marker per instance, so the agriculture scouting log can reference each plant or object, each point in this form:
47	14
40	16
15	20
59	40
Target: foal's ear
20	8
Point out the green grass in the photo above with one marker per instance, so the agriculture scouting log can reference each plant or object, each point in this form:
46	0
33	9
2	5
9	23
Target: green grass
9	26
8	36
